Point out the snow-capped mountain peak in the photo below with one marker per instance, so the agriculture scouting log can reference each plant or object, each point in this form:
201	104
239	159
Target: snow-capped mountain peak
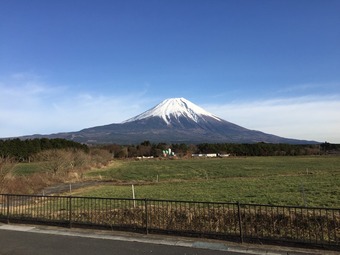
175	108
175	120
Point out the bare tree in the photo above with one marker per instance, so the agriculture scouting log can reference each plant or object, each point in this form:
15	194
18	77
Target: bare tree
6	169
65	161
100	157
55	161
81	160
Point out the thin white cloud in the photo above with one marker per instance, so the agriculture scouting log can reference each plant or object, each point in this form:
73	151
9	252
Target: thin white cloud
86	110
311	118
320	89
29	106
69	114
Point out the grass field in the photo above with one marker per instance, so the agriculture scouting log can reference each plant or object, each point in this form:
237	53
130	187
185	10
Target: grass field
311	181
25	169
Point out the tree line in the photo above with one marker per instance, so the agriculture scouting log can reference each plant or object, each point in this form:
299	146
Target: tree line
147	148
23	150
57	160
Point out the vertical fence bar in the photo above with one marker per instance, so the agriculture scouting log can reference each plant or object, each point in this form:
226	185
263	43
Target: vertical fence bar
315	230
240	221
70	211
334	225
7	201
146	216
322	229
328	232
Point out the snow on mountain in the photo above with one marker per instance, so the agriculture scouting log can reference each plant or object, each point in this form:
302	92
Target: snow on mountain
175	120
175	108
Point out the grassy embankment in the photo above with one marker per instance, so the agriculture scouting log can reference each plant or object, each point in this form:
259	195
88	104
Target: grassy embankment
311	181
26	169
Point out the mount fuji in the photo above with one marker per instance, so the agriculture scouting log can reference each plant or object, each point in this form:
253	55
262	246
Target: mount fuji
175	120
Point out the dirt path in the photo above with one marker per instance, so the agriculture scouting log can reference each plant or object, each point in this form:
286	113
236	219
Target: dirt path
61	188
65	187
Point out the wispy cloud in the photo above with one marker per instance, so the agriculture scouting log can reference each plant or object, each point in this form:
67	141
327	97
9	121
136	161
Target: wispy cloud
312	118
310	89
28	106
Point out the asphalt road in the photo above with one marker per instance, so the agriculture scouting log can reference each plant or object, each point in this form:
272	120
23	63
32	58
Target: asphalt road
22	242
16	239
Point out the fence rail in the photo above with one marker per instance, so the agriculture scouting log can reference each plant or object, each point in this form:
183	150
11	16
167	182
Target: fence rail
230	221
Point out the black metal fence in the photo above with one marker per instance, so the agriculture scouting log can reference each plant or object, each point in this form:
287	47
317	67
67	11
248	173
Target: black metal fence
230	221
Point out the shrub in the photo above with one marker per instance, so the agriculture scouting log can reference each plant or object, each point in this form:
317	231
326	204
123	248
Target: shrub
6	168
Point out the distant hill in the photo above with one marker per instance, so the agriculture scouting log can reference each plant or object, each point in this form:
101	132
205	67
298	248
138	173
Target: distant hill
175	120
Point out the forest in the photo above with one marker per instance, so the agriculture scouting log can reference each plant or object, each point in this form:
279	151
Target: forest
24	150
147	148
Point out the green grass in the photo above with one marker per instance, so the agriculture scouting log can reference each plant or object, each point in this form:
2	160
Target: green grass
218	168
312	181
289	190
26	169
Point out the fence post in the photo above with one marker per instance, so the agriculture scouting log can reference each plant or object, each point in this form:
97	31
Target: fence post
7	201
240	221
146	216
70	211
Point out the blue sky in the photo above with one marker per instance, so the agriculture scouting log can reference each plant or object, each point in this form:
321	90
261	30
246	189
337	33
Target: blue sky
269	65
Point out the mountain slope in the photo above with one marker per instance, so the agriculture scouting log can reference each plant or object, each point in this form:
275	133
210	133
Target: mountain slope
175	120
175	108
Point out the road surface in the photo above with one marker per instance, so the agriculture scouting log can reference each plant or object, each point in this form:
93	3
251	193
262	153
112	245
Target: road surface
31	243
16	239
